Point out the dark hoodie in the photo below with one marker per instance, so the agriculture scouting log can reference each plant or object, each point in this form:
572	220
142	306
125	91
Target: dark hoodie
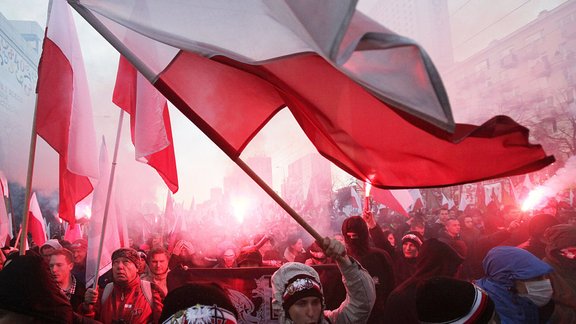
376	261
563	277
436	259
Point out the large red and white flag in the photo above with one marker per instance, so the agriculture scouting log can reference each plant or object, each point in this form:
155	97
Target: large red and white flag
64	113
112	234
36	223
149	121
371	101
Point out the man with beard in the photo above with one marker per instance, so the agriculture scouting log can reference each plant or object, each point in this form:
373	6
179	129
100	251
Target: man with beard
127	299
376	261
157	268
61	263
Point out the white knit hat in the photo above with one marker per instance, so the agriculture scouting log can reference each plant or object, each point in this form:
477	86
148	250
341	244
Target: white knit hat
284	276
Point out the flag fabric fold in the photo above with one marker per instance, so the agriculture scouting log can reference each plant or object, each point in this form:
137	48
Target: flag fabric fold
112	235
5	226
150	126
64	110
397	200
370	100
36	225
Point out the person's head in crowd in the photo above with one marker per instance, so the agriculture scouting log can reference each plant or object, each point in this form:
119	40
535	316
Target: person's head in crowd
452	227
297	293
468	222
561	246
61	264
229	257
317	253
48	247
199	303
156	241
125	264
411	243
452	213
79	248
417	225
158	261
143	264
391	238
518	280
248	259
356	236
448	300
295	244
184	248
29	294
539	224
437	258
443	215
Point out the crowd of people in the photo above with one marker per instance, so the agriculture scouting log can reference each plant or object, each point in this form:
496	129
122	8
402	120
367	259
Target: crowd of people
451	267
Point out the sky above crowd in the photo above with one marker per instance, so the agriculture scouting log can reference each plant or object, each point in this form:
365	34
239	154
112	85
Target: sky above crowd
201	165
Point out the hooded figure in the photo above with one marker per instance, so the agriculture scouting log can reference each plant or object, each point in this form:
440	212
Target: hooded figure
516	282
377	261
296	287
436	258
560	254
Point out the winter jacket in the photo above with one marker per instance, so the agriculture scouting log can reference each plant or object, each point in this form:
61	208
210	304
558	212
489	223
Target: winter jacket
129	303
504	265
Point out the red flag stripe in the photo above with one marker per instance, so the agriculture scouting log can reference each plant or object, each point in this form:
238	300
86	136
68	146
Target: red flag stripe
231	101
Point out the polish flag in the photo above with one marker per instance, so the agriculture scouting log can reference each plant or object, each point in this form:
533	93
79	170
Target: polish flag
447	203
149	121
371	101
37	225
64	112
112	235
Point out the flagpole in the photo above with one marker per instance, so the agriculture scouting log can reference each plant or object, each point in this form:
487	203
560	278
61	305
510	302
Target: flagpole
31	157
108	195
142	68
279	200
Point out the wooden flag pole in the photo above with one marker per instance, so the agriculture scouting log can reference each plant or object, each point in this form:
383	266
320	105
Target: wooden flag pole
31	157
108	194
279	200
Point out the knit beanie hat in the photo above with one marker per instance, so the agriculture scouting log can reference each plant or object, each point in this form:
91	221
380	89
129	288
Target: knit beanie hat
52	243
199	303
448	300
414	237
292	282
127	253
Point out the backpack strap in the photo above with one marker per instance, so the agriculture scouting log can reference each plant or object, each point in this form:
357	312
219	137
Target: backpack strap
147	291
106	293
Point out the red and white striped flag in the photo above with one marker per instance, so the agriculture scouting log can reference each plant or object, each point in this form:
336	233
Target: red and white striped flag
149	121
64	113
37	225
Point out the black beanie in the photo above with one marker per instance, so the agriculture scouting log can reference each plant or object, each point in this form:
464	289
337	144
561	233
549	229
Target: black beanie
299	287
448	300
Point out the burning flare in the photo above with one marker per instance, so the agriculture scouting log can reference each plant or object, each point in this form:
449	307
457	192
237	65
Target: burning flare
535	198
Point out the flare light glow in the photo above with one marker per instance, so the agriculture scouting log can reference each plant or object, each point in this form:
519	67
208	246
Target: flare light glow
535	198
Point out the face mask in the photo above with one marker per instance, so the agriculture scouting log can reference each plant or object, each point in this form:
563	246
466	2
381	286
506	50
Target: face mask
539	292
